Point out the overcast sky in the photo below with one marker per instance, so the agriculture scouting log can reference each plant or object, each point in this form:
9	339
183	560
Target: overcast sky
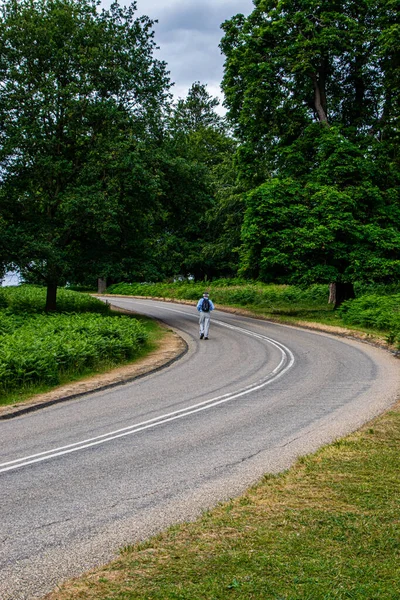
188	33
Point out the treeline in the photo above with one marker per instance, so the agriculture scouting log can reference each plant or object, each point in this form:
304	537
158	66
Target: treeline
101	174
104	176
313	94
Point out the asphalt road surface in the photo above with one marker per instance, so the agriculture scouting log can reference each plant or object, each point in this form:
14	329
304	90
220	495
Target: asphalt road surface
80	479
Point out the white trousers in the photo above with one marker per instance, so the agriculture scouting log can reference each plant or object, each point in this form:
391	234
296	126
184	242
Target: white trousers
204	322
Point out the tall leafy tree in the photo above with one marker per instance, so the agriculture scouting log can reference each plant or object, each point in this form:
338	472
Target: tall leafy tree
196	112
311	90
339	224
292	63
196	144
81	105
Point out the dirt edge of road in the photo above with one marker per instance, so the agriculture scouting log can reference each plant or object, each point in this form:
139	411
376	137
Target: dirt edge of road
170	348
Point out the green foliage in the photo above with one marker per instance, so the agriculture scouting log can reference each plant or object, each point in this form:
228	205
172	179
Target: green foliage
312	92
195	114
100	176
225	291
39	348
3	299
81	106
32	299
376	312
337	223
197	147
289	64
379	289
188	291
43	347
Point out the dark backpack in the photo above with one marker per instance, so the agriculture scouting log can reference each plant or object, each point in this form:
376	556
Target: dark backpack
205	306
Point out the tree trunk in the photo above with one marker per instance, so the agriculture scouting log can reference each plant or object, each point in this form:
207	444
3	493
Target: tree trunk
319	100
332	293
339	292
101	285
51	297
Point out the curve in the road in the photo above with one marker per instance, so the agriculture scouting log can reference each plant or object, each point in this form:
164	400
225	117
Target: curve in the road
285	364
248	401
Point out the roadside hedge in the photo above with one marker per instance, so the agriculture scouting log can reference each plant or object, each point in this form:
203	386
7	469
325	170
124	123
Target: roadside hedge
376	306
38	348
228	292
32	299
376	312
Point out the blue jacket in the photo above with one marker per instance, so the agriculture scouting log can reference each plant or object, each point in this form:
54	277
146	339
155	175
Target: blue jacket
200	302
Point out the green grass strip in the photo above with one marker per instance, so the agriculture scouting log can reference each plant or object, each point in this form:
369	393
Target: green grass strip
327	529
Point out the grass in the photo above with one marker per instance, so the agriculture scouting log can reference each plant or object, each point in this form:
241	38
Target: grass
327	529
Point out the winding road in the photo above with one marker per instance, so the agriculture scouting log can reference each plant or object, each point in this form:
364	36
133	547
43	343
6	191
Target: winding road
80	479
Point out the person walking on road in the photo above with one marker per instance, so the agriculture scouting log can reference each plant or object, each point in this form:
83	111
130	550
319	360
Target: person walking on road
204	306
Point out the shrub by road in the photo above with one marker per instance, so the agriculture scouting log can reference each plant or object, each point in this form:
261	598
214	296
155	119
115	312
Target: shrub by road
44	349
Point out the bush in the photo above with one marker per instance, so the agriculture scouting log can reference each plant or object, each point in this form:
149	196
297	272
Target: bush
38	348
3	301
225	291
32	299
377	312
43	347
376	289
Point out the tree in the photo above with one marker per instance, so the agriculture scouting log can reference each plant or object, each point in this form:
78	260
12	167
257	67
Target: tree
196	144
292	63
81	109
340	224
196	112
312	93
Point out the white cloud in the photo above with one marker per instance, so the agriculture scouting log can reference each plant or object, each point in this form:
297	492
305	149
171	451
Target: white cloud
188	33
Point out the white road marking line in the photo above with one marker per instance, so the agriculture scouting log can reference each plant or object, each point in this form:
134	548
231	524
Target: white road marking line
285	364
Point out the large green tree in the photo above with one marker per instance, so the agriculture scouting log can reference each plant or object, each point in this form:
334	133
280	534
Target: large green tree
196	145
312	92
339	224
81	109
292	63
